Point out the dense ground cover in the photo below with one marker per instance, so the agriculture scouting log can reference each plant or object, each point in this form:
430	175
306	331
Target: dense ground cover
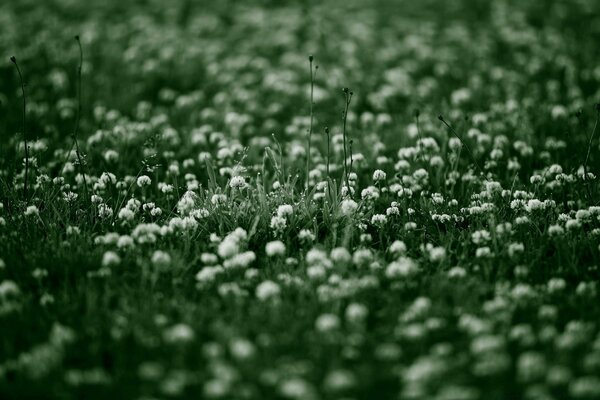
444	243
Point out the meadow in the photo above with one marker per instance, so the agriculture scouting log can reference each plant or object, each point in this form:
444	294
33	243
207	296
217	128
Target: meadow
299	199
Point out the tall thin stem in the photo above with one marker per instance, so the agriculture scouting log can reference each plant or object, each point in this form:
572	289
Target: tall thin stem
78	118
589	149
420	141
348	95
328	151
14	61
441	118
310	129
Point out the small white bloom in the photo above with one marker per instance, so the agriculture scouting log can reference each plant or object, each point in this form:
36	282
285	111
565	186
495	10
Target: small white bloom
267	290
32	211
110	259
348	207
379	175
237	182
144	180
275	248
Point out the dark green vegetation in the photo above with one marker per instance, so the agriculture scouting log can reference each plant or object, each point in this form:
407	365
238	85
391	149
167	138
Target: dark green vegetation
170	245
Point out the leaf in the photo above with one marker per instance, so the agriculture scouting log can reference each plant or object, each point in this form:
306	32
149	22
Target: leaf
212	179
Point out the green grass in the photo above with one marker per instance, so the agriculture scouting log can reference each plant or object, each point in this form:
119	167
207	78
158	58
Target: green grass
203	255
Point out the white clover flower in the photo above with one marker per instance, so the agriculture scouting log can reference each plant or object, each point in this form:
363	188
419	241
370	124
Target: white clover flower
316	256
306	235
126	214
111	155
356	312
341	255
480	237
401	268
410	226
209	258
316	272
217	199
161	259
179	334
362	256
110	259
31	211
278	223
572	224
241	260
237	182
378	220
327	322
397	247
515	248
208	274
143	180
296	388
241	349
346	191
483	252
96	199
339	380
228	247
392	211
535	179
275	248
166	188
104	211
348	207
284	210
70	197
370	193
267	290
125	241
379	175
73	230
457	272
437	254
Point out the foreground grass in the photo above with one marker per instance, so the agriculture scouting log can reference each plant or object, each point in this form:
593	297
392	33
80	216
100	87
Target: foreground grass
444	244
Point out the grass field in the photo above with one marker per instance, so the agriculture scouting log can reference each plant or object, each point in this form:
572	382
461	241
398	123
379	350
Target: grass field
299	199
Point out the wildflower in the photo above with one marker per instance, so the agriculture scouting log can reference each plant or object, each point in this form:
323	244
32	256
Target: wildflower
379	175
104	211
237	182
126	214
306	236
110	259
437	254
555	230
362	256
179	334
241	349
161	259
267	290
327	322
278	223
275	248
208	274
32	211
378	220
284	210
143	180
356	312
340	255
397	247
401	268
348	207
